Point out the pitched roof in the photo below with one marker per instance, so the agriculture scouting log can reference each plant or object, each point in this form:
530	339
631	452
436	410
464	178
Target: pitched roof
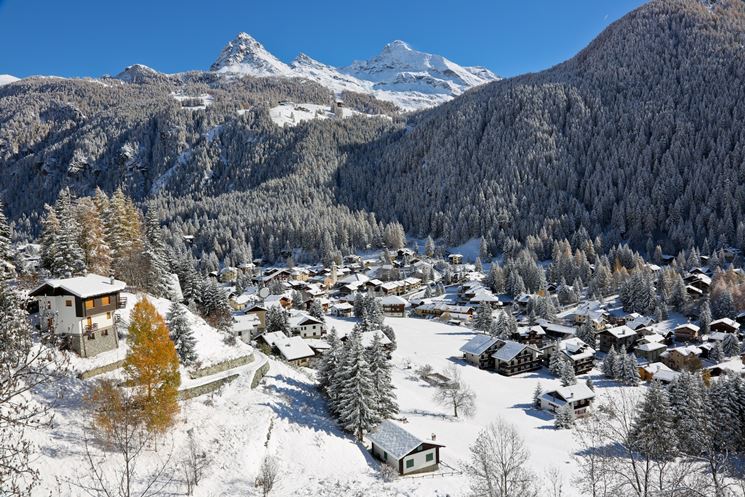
293	348
478	344
396	441
393	300
570	393
620	331
84	286
508	351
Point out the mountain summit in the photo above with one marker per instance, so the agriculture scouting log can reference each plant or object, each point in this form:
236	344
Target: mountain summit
411	79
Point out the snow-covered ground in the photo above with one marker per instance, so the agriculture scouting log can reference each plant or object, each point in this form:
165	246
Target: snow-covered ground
286	417
291	114
6	79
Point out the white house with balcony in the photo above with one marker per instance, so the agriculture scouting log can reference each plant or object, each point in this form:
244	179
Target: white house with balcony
81	311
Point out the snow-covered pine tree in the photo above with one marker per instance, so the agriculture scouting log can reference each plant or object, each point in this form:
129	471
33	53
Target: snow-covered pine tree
567	374
6	247
297	300
653	432
590	384
483	319
723	304
730	345
277	320
717	353
357	409
704	317
629	370
586	333
380	373
359	305
478	266
181	333
564	418
69	258
158	279
688	404
327	365
429	247
49	235
373	312
556	362
93	238
316	310
537	395
610	363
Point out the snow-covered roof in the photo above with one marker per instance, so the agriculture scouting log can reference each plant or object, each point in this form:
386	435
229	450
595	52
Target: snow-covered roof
621	331
393	300
272	337
293	348
367	337
245	322
396	441
355	278
727	322
478	344
655	367
688	326
576	349
556	328
301	318
652	346
570	393
526	330
508	351
84	286
666	376
342	306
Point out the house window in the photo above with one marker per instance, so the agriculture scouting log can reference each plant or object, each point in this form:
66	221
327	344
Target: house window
430	457
385	455
105	300
68	303
108	315
89	304
409	463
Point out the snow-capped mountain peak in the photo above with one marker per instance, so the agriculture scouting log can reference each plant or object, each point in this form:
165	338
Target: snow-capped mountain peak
400	74
245	55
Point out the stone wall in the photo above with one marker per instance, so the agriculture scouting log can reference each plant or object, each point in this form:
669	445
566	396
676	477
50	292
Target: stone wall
105	339
259	374
86	375
221	366
190	393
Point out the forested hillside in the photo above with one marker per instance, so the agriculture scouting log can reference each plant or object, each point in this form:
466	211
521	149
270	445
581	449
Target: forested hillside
638	138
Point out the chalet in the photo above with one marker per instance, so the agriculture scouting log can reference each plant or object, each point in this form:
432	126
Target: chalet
579	353
513	358
699	281
228	274
484	296
656	371
557	331
275	274
412	283
436	310
638	321
81	311
683	358
650	351
394	306
578	396
245	326
687	332
455	259
694	292
306	326
260	313
621	338
393	288
405	452
533	335
292	349
284	301
725	325
587	311
479	349
342	309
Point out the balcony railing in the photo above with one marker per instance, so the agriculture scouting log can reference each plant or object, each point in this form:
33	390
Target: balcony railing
90	328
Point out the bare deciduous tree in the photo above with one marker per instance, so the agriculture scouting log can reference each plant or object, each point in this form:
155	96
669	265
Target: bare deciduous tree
456	394
268	475
193	464
497	464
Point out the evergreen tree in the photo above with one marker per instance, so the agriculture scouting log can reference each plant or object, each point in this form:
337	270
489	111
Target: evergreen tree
537	395
156	258
316	310
68	258
704	317
357	409
717	353
181	333
629	370
586	333
723	305
610	363
565	417
590	384
567	374
484	318
49	236
277	320
329	361
359	305
429	247
380	373
93	238
730	345
556	362
479	267
653	432
152	367
6	248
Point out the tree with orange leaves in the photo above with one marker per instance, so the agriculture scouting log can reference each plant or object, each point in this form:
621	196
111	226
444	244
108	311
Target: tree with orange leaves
152	367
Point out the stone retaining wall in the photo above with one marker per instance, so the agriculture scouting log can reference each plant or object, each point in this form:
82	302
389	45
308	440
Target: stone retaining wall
221	366
259	374
190	393
86	375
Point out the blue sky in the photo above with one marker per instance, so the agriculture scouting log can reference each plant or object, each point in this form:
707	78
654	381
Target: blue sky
95	37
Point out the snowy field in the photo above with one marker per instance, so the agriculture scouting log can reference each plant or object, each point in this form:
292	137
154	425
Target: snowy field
286	417
290	114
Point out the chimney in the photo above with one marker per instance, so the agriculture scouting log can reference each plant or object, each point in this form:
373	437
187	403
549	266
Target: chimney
434	437
111	279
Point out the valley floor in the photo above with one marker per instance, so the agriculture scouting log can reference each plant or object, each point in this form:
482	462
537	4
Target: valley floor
286	417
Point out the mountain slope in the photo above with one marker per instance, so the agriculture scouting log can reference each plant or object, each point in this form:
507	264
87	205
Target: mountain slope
637	137
411	79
